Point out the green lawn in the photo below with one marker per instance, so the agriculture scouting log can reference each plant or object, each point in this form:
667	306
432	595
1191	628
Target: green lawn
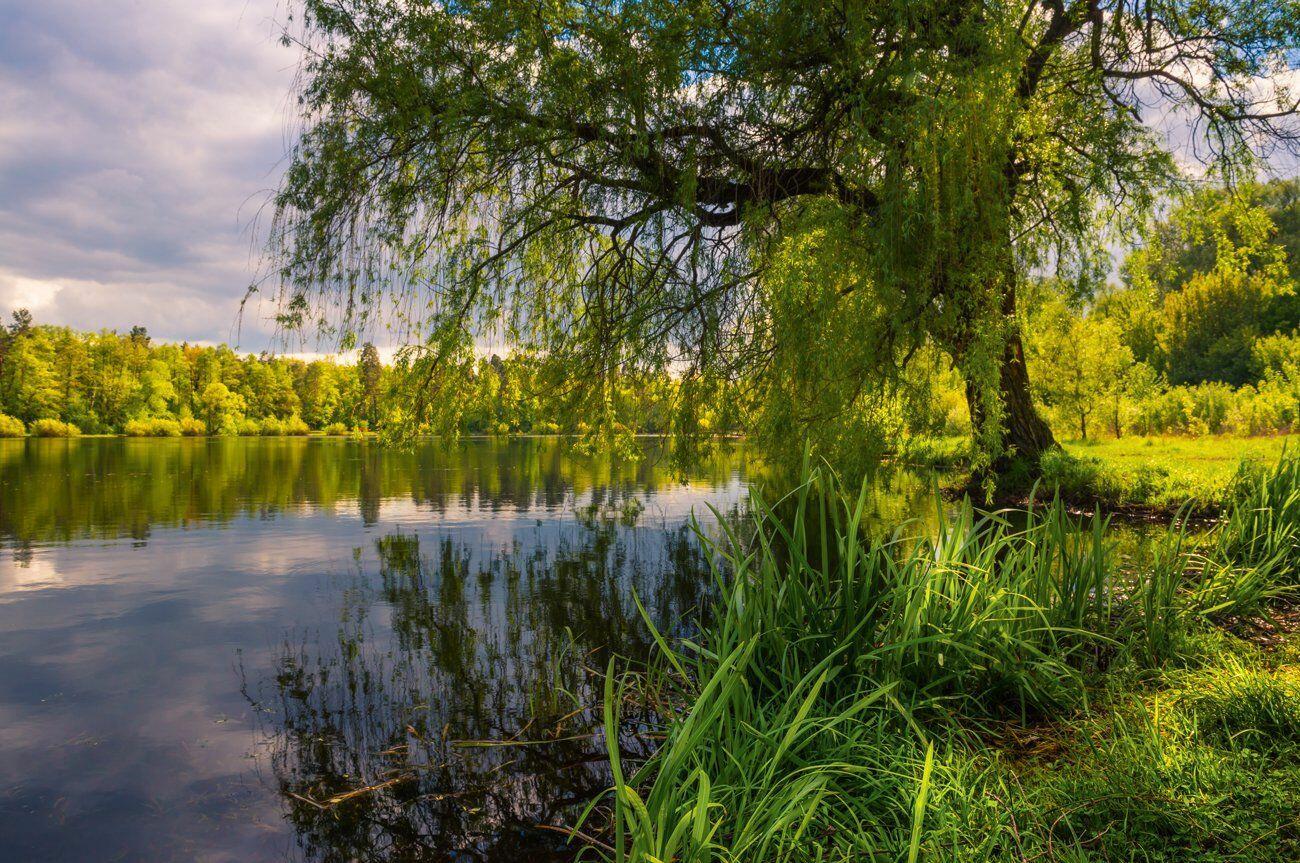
1210	457
1160	472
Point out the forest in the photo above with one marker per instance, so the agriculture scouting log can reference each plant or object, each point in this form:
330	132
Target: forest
55	381
1196	333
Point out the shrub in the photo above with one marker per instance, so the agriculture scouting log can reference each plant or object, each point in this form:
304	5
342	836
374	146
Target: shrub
336	429
246	427
54	428
155	427
191	427
294	425
11	426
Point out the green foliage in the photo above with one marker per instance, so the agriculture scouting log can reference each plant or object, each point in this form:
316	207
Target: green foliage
1080	363
336	429
11	426
107	382
787	197
1213	279
1211	325
1262	529
156	427
53	428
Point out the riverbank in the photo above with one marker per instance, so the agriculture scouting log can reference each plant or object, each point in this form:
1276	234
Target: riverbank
1014	688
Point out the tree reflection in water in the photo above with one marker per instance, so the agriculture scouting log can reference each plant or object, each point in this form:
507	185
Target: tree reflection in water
446	653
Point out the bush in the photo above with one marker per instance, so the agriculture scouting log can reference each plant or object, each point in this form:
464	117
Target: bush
54	428
156	427
336	429
191	427
294	425
246	427
11	426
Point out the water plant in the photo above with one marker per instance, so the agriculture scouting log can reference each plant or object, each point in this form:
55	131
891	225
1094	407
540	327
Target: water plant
804	720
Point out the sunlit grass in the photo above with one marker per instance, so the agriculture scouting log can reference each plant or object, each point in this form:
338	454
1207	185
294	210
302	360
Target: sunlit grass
858	697
1159	472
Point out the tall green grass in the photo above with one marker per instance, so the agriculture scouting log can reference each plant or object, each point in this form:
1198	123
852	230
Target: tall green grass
803	723
1262	528
798	726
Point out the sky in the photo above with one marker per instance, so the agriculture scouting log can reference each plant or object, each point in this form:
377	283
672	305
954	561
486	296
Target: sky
138	141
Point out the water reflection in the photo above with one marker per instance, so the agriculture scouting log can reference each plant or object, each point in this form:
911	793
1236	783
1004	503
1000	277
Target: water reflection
203	642
58	490
444	654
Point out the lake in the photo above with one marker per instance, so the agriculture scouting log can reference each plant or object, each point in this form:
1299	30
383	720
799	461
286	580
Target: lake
206	643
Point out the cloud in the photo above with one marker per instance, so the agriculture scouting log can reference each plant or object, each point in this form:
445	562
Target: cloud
138	139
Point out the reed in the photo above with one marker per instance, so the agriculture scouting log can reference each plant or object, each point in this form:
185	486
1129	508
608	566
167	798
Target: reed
810	718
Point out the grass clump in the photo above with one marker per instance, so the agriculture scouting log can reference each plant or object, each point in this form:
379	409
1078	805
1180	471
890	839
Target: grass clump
11	426
1243	705
53	428
800	731
1262	528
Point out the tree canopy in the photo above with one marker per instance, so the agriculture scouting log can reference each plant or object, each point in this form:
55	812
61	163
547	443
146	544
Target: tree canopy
796	194
1213	277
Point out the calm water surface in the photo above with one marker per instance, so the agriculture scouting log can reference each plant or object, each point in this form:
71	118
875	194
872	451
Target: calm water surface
205	643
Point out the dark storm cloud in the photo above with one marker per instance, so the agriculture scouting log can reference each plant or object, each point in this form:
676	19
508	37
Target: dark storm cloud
137	140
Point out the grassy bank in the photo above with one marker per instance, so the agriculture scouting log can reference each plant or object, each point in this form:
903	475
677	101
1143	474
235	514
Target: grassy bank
1160	474
1008	689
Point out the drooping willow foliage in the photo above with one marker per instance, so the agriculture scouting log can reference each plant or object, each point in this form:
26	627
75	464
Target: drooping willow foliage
796	195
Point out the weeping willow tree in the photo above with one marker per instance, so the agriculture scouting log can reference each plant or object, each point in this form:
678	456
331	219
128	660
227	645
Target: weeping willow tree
795	194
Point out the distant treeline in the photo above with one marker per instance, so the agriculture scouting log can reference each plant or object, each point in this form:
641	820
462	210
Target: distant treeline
55	381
